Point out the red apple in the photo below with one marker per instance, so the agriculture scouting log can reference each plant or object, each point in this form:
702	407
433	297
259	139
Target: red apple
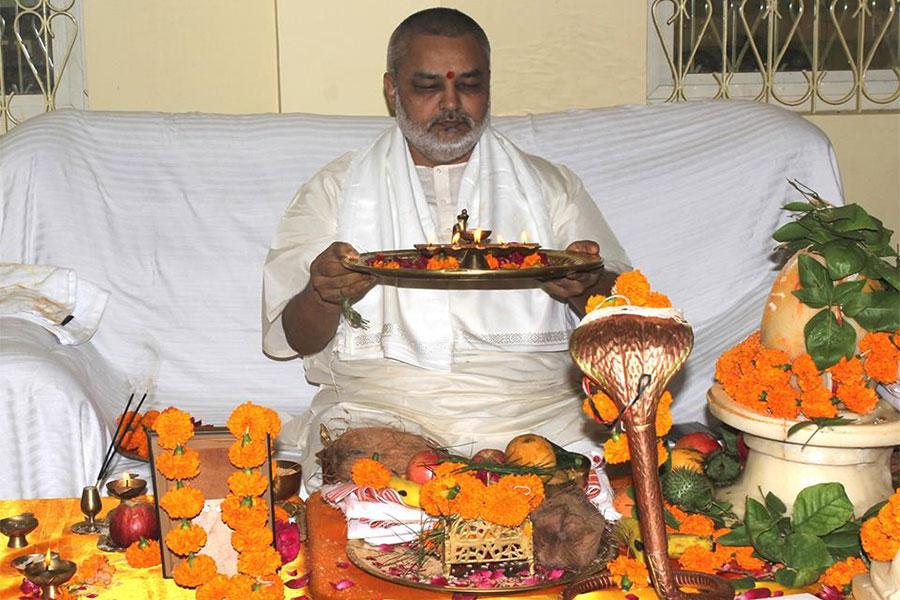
490	456
130	521
701	441
742	448
421	466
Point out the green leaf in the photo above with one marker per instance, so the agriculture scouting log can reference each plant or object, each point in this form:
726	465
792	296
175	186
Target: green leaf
851	217
881	311
794	578
670	520
845	292
827	340
821	509
873	510
798	426
790	232
805	551
729	439
886	271
757	518
843	258
814	297
775	505
738	536
843	542
812	273
744	583
770	545
799	206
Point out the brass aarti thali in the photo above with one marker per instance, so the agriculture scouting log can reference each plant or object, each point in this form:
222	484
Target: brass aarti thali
560	264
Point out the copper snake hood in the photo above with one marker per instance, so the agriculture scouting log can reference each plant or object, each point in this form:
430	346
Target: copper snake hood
632	353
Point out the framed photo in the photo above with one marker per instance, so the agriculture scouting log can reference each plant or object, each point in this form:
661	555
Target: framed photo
215	467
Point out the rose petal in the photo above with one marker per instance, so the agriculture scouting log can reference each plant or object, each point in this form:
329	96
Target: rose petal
343	584
341	564
631	597
296	584
555	573
755	593
438	580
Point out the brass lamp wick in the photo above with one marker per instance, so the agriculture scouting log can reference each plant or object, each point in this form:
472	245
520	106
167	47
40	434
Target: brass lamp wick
643	382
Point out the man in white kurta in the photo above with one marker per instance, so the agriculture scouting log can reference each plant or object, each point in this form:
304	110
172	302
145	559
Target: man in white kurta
469	369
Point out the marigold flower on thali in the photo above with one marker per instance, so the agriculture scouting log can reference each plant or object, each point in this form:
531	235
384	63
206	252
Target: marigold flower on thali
251	539
847	372
817	403
664	414
624	566
492	261
657	300
532	260
783	402
214	589
175	466
743	556
434	495
858	398
807	373
369	472
185	502
143	553
882	353
840	573
699	558
242	514
468	502
504	506
247	456
696	524
186	540
255	419
174	428
242	483
259	563
530	486
604	406
615	450
194	571
448	468
96	570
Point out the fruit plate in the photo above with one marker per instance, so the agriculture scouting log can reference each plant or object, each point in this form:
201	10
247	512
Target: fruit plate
398	564
561	263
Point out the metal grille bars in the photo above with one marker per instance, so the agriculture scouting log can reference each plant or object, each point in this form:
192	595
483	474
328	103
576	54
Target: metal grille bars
811	55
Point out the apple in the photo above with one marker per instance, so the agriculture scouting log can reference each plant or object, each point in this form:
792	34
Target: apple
420	467
490	456
742	448
700	441
131	521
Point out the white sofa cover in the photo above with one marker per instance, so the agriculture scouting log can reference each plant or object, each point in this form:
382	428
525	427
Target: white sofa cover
173	214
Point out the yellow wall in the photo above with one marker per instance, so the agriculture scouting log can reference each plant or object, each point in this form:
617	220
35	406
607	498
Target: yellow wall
239	56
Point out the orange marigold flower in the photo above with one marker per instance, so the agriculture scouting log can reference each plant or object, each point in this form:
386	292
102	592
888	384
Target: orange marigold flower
185	540
185	502
251	539
882	354
143	553
700	558
434	496
504	506
532	260
268	588
599	300
194	571
469	502
96	570
634	286
858	398
635	571
840	573
603	405
259	563
281	514
174	466
847	371
448	467
743	556
657	300
696	524
371	473
783	402
615	450
149	418
174	428
214	589
807	373
255	420
877	542
243	483
492	261
529	486
664	414
242	514
240	587
247	456
817	403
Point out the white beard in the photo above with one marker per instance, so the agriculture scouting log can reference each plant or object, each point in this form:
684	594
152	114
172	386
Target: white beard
421	138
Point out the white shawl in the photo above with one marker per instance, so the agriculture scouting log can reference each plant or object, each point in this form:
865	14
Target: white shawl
384	207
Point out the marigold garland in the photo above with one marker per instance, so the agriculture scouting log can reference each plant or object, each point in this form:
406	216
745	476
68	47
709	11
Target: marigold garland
214	589
247	455
247	483
840	573
529	486
368	472
259	563
251	539
143	553
175	467
505	506
242	514
174	428
882	352
183	502
194	571
880	535
255	420
186	539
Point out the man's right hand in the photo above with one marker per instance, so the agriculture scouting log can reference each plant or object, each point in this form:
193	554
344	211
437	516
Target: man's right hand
331	280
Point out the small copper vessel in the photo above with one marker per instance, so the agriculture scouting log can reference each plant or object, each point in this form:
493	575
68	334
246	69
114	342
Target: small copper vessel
17	528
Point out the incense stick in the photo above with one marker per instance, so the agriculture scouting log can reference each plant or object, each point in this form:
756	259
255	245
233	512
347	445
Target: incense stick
112	449
115	437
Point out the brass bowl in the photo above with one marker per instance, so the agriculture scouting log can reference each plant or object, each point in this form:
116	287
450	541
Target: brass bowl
286	484
17	528
23	561
126	490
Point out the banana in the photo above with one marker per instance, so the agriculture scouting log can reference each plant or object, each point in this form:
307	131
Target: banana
408	490
628	532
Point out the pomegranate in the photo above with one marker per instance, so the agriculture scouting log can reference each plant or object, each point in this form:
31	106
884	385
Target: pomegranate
130	521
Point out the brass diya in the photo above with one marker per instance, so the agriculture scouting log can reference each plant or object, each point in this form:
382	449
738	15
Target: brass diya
130	486
632	353
17	527
286	479
49	574
23	561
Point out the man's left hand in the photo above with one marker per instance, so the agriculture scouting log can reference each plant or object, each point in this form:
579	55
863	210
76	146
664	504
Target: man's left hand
574	285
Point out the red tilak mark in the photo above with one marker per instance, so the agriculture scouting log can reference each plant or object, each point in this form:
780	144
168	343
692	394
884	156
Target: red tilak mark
450	74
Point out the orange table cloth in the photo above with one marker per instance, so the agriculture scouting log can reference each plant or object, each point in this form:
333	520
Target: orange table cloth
55	516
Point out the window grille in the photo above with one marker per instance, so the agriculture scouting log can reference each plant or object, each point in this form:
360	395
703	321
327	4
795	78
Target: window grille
810	55
40	58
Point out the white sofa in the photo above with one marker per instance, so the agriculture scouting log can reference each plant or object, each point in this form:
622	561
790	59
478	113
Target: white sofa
173	214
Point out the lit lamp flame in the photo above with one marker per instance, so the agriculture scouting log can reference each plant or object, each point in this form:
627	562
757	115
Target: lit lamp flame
126	479
524	237
430	240
47	558
500	239
455	238
477	235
